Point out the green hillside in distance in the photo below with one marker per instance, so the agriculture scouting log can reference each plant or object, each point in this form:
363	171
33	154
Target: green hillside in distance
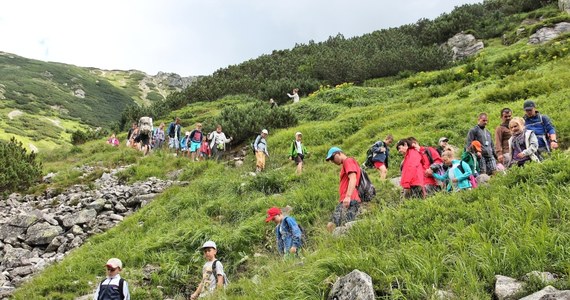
411	249
41	103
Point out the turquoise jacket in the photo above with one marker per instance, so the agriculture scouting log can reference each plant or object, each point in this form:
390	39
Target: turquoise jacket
462	178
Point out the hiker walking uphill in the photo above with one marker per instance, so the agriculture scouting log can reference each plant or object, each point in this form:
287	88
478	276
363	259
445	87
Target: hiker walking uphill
542	127
174	135
195	141
130	134
218	142
380	155
213	276
113	287
349	200
260	146
297	152
502	136
523	144
487	157
412	180
159	137
287	232
471	157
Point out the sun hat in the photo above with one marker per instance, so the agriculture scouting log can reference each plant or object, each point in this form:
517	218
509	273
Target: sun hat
209	244
265	131
272	212
114	263
298	133
443	139
331	152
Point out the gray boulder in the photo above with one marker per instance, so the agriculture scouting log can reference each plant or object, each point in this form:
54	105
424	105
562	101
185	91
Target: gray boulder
464	45
24	220
356	285
546	34
7	231
80	217
15	257
506	287
548	293
42	234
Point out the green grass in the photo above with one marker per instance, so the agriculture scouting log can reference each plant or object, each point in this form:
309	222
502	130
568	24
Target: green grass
458	242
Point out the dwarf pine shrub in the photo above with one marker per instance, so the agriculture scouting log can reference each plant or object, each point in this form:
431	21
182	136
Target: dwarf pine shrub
19	168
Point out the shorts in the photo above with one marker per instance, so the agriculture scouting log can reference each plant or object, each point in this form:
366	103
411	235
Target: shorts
173	143
341	214
144	138
299	158
378	164
195	146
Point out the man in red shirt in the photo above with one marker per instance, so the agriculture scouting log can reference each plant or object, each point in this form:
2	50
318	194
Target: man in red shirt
412	180
349	202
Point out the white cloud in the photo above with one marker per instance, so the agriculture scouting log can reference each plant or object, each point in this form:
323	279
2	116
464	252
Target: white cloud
190	37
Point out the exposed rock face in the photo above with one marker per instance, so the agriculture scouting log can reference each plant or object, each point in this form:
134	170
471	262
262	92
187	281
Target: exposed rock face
464	45
356	285
36	231
549	293
546	34
564	5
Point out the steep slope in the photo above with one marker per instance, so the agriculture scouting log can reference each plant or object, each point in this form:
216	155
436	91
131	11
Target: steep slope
518	224
42	102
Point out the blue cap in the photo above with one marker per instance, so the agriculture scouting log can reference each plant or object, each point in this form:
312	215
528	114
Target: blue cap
332	151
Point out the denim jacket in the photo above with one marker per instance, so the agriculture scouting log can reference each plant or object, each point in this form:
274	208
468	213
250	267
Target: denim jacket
288	235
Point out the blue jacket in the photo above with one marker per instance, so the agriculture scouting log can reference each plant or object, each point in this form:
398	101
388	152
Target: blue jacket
541	125
462	178
288	235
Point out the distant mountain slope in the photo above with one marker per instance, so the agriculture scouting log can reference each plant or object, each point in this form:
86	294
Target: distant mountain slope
42	102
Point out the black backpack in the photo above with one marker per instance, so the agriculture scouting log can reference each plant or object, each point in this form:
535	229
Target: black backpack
366	190
368	163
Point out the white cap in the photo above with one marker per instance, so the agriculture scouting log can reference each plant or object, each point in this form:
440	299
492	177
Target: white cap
114	263
209	244
265	131
298	133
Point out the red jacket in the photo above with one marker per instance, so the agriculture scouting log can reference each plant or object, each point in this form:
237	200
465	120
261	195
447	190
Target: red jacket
412	169
428	179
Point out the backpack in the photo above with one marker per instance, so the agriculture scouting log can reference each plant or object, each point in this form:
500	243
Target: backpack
368	163
252	144
121	284
170	130
303	235
216	273
145	125
366	190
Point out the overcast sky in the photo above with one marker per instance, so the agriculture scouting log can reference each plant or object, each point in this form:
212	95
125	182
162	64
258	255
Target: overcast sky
190	37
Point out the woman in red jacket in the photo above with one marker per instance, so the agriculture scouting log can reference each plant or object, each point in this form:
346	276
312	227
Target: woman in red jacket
412	180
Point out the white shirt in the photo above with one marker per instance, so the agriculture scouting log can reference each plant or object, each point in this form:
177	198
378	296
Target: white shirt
113	281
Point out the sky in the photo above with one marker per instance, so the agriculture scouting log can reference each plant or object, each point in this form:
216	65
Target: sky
190	37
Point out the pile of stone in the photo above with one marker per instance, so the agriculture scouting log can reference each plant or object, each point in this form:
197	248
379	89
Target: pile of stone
36	231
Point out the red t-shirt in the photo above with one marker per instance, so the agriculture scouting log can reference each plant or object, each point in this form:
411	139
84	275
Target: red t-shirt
349	165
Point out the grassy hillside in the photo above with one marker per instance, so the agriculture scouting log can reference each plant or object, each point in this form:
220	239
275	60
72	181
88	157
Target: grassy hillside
43	102
454	242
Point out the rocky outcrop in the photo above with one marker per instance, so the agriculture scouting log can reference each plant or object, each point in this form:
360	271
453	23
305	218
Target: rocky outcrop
507	288
36	231
546	34
464	45
356	285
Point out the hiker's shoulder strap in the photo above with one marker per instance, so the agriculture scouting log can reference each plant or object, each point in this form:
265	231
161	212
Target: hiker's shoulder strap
428	153
121	288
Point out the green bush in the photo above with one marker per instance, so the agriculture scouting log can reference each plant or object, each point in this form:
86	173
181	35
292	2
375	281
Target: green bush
81	137
19	169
